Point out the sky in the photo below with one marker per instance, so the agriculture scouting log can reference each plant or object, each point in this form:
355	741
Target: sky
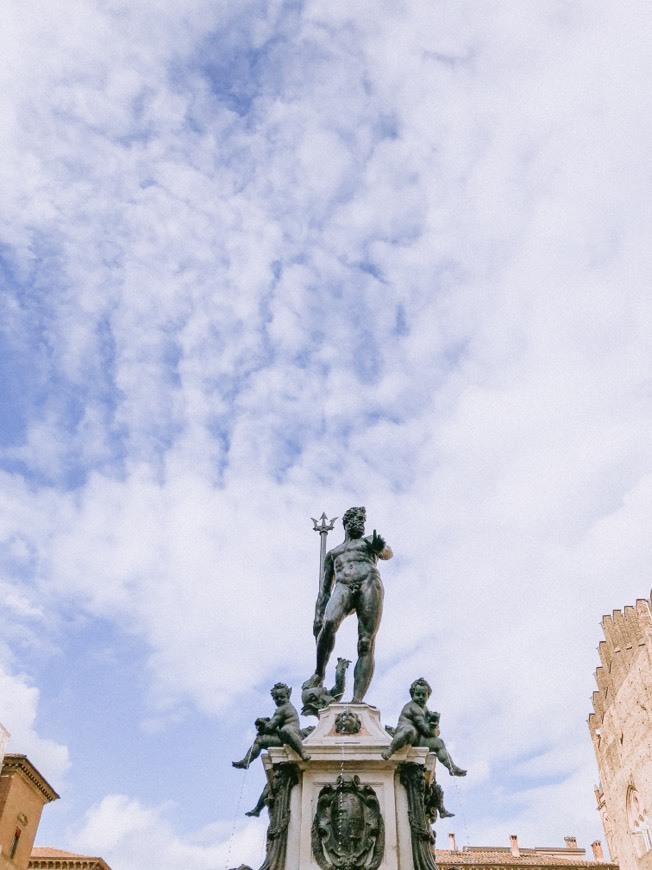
264	259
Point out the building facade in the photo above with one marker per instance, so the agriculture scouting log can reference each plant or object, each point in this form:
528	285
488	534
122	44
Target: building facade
45	858
514	856
621	730
23	794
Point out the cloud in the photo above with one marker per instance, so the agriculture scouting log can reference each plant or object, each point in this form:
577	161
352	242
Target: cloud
128	834
263	260
19	707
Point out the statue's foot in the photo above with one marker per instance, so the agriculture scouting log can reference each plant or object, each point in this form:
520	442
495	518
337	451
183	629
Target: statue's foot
241	765
443	813
386	753
253	812
305	756
457	771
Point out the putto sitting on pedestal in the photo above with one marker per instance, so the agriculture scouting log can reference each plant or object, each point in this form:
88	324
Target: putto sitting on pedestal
283	728
418	726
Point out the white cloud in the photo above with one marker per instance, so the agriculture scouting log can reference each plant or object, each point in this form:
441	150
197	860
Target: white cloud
266	261
129	834
18	712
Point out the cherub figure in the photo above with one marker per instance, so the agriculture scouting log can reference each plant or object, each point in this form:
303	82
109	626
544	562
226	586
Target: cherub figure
282	728
434	804
418	726
315	698
265	800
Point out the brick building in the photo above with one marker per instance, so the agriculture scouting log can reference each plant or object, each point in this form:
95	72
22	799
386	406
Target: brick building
45	858
621	730
23	794
514	856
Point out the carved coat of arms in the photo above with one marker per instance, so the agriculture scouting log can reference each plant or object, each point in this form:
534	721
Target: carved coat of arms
348	832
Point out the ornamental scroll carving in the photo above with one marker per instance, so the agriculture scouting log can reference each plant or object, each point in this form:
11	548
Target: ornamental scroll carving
423	840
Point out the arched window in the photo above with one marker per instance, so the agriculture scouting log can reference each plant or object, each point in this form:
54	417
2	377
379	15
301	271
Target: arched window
637	820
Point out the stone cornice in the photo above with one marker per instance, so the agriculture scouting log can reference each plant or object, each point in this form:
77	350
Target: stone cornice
68	864
13	763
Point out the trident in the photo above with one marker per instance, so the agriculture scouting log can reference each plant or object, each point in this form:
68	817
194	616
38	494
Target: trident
323	527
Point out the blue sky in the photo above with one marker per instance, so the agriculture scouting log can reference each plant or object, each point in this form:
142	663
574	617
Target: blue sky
260	260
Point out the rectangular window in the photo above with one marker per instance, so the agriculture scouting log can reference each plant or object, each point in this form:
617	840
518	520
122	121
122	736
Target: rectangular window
14	844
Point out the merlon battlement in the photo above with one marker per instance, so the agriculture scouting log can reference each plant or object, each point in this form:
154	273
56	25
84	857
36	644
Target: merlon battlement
625	632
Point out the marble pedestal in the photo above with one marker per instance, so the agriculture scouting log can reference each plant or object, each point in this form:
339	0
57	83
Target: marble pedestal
334	754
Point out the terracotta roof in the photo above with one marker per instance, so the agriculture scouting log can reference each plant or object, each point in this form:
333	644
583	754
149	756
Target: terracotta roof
500	857
47	858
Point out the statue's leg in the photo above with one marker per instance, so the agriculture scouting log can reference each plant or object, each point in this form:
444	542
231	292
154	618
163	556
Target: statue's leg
369	610
325	646
339	606
262	800
402	736
253	753
293	739
263	741
438	800
439	748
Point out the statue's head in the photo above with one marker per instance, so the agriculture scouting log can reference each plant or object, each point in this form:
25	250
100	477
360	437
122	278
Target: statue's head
347	722
280	692
353	521
420	691
314	699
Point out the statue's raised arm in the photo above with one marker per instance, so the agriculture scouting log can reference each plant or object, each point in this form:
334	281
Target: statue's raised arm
350	583
379	547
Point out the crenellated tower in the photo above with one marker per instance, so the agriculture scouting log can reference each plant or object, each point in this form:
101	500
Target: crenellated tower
621	730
